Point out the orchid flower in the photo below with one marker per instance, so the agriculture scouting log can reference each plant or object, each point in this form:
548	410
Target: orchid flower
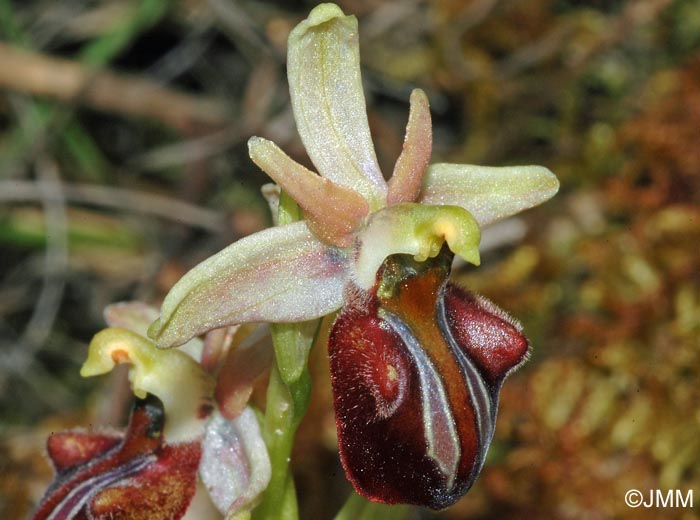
416	362
176	438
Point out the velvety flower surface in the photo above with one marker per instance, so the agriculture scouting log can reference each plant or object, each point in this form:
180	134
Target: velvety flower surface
130	475
416	363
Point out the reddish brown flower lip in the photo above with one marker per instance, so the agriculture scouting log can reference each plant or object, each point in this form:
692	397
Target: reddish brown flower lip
121	474
417	365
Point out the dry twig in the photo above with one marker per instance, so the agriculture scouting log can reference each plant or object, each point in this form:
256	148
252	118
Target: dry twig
41	75
118	198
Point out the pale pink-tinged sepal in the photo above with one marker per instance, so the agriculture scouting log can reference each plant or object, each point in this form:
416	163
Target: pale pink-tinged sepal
281	274
235	466
133	315
405	183
323	65
333	212
488	193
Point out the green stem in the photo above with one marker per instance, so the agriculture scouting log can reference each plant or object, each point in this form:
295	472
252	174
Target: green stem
286	405
288	394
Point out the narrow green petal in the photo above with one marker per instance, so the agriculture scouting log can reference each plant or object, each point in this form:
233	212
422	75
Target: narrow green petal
281	274
415	229
489	193
163	373
323	65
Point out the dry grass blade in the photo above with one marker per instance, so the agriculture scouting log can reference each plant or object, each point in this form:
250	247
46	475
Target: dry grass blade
118	198
71	82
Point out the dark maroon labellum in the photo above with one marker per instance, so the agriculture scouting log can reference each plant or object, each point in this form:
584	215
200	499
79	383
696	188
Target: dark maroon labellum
416	366
134	475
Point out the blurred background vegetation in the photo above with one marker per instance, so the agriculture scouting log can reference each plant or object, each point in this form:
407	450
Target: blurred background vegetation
123	162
